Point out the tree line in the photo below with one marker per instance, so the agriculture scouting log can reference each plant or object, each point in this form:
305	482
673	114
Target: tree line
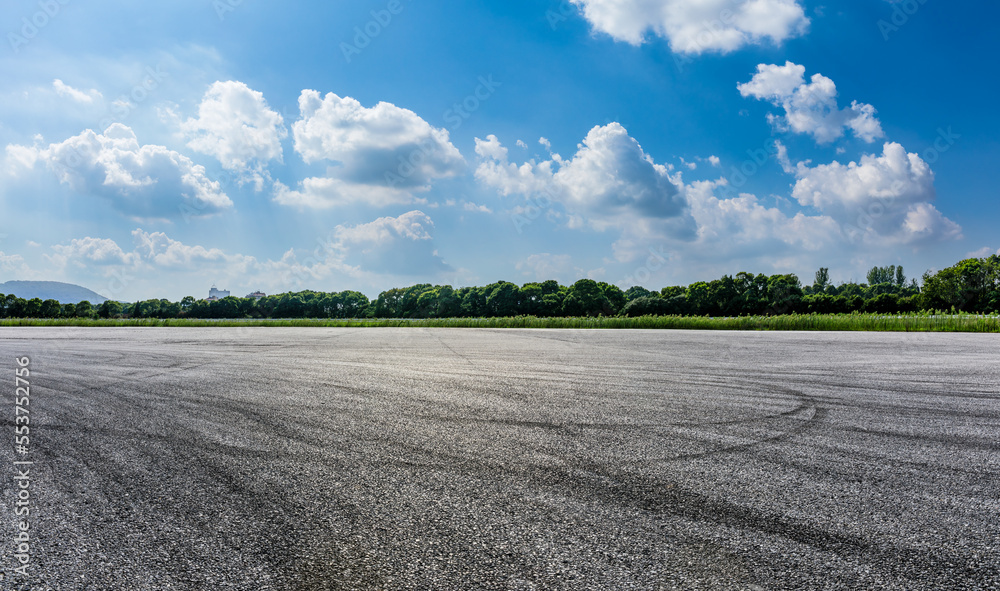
972	285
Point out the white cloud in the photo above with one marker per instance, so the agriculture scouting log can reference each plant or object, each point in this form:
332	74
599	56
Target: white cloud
884	197
729	230
982	253
10	262
329	192
714	161
160	250
545	266
145	181
400	246
21	158
152	250
611	172
385	149
774	82
237	127
65	90
85	252
387	247
155	256
810	107
783	159
697	26
740	221
475	207
156	260
609	182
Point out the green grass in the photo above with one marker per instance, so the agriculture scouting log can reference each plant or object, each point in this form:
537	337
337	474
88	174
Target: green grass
841	322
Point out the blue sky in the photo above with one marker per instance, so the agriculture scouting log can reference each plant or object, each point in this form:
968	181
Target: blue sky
155	149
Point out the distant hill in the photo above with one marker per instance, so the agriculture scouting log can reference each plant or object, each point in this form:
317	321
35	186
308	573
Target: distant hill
65	293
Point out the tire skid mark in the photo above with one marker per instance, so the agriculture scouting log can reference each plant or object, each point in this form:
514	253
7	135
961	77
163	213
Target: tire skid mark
656	495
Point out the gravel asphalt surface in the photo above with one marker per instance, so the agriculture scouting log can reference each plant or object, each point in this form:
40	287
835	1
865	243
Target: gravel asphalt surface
309	459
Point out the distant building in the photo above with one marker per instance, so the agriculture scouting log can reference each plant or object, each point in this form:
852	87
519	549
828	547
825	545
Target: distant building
217	294
257	295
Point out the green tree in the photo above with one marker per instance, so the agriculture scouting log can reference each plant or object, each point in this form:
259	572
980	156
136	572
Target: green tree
651	305
614	298
168	309
553	303
84	310
229	307
637	291
427	304
473	302
724	297
822	280
18	307
503	299
971	285
110	309
672	291
698	298
351	304
753	290
886	303
50	309
199	309
411	295
290	306
890	275
585	298
784	294
531	299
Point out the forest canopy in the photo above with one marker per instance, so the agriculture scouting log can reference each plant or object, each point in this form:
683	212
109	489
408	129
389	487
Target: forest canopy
972	285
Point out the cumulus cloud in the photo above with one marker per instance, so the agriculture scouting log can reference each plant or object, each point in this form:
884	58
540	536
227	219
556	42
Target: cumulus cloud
884	197
743	220
237	127
143	181
475	207
385	151
151	250
697	26
22	158
329	192
65	90
811	107
400	245
160	250
85	252
390	246
733	229
609	182
10	262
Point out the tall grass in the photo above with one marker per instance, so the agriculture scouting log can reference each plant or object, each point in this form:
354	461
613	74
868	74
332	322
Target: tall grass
813	322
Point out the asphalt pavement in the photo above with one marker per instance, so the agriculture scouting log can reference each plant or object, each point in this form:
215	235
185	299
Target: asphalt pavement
310	459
